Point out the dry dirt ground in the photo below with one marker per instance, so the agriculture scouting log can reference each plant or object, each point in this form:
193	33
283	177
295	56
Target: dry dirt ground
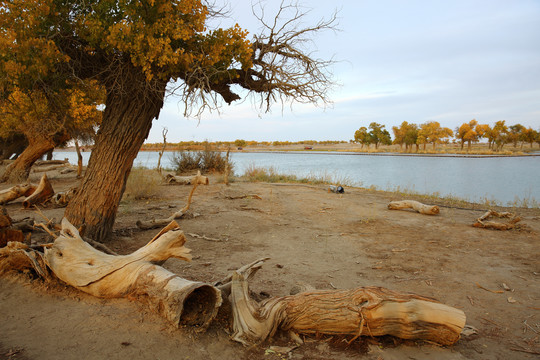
314	237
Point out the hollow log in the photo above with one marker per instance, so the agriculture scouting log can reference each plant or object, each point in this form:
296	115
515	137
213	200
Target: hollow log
43	192
186	180
181	301
372	311
415	205
16	192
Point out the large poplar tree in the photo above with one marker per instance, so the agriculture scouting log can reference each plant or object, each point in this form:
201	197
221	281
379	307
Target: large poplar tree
135	49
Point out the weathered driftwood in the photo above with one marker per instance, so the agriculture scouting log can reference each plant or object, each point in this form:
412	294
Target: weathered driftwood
415	205
158	223
371	311
68	169
16	192
51	162
63	198
48	168
511	224
137	275
186	180
43	192
18	257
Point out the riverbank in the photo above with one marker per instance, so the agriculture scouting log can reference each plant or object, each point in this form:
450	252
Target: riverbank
312	236
346	147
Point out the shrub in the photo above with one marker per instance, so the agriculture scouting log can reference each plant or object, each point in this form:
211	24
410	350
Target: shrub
207	160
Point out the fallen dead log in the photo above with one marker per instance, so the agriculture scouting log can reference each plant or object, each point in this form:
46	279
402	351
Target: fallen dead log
63	198
415	205
137	275
51	162
48	168
186	180
43	192
371	311
511	224
158	223
68	169
16	192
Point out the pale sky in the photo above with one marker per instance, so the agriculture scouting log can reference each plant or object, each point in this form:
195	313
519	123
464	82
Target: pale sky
415	61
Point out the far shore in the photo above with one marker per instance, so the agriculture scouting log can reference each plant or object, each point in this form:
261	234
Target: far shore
451	150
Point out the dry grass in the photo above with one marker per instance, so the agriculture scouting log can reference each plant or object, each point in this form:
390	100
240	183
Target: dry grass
272	175
142	184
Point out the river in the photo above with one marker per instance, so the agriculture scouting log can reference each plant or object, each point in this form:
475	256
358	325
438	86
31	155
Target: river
505	180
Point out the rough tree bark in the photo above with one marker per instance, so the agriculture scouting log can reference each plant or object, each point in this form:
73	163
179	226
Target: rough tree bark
126	123
371	311
13	145
20	169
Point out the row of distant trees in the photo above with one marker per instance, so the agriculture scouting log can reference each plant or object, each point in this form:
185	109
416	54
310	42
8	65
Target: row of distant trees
432	132
237	143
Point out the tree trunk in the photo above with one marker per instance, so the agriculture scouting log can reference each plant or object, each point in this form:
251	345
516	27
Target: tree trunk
13	145
19	170
79	159
49	154
126	123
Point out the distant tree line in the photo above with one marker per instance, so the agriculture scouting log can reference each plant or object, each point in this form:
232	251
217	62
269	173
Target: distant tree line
198	145
432	132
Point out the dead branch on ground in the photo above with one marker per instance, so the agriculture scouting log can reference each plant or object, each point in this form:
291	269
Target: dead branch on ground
511	224
415	205
156	223
171	179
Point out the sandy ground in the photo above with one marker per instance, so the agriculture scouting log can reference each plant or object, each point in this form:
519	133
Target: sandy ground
314	237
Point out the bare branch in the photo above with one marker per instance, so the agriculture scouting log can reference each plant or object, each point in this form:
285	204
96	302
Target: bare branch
283	69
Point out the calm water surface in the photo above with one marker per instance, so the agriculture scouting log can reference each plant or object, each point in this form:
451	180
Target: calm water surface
503	179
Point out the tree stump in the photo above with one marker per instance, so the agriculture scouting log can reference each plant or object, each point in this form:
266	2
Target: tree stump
43	192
